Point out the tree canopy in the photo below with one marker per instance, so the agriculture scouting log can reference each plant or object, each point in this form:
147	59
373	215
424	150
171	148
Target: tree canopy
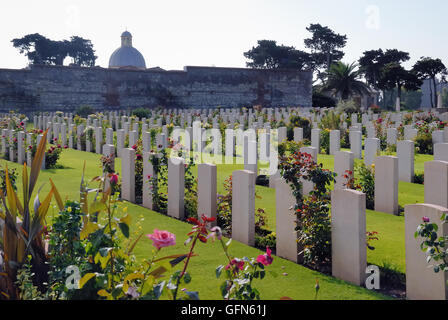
325	46
428	69
41	50
344	81
269	55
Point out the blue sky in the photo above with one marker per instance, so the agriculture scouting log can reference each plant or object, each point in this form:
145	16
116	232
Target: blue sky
176	33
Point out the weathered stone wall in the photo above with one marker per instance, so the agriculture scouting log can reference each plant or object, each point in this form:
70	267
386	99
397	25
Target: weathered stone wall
51	88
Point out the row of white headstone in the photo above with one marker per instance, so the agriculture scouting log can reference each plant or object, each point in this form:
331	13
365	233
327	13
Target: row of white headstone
348	214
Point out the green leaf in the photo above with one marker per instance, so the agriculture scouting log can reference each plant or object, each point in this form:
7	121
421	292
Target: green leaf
124	229
187	278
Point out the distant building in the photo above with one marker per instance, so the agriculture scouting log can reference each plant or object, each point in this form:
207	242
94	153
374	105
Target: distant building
127	57
427	90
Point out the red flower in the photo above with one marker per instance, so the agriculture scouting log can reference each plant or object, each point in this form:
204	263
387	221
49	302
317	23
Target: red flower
65	147
114	179
134	147
236	264
265	259
200	228
425	219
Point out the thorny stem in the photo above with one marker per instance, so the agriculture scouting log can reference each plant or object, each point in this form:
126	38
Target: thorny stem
185	266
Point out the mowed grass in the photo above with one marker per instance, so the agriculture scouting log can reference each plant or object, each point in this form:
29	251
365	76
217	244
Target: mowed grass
283	279
390	248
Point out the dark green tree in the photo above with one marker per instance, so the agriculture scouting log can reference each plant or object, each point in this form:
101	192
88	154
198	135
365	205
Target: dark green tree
393	75
81	51
428	69
344	81
268	55
373	62
325	46
41	50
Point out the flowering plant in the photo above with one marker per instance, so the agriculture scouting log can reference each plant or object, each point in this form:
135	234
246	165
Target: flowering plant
240	272
432	244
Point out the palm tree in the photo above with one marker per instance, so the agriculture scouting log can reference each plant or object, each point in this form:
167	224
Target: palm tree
343	81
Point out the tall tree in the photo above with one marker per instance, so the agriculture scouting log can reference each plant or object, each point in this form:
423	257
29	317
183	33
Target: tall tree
81	51
393	75
373	62
325	46
41	50
344	81
268	55
37	48
428	69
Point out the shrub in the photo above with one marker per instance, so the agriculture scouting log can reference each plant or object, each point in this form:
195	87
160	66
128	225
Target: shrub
347	106
314	230
345	139
364	183
321	100
325	141
419	178
141	113
52	156
297	121
84	111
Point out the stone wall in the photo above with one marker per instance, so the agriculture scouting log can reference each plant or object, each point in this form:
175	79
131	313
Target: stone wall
53	88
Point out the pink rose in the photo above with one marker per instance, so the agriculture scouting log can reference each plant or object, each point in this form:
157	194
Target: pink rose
265	259
237	264
162	239
114	179
425	219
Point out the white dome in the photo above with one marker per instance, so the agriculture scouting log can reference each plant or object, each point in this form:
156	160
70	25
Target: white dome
127	56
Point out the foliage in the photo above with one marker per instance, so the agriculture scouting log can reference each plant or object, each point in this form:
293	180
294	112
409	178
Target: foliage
241	272
269	55
423	140
52	156
12	173
84	111
299	122
433	245
26	288
393	75
224	211
364	183
289	147
330	120
41	50
66	248
141	112
321	100
347	106
428	68
373	62
419	178
325	46
344	81
314	229
23	233
325	141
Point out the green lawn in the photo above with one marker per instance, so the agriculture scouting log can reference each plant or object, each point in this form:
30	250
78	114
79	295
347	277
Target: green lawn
389	248
284	279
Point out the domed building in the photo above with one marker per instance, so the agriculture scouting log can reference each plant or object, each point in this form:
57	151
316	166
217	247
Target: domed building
127	57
